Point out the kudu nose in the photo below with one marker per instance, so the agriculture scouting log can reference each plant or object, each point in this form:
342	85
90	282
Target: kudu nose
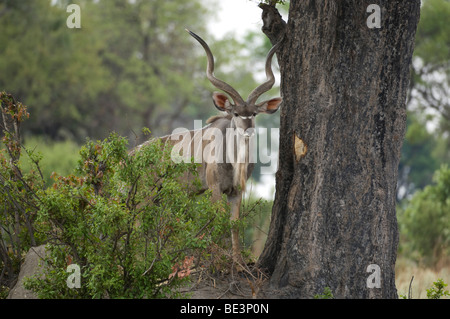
249	132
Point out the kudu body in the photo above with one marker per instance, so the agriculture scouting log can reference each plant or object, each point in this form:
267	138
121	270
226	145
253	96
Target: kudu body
226	170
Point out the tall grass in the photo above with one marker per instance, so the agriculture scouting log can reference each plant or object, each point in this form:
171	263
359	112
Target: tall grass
423	279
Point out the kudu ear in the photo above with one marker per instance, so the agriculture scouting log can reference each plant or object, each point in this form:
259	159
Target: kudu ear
270	106
221	102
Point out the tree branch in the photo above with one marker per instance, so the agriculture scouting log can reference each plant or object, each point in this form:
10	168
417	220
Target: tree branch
274	26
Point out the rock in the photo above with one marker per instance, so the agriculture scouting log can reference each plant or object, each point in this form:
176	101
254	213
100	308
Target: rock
29	268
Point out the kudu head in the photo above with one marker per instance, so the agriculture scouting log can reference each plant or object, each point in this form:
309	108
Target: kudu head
243	112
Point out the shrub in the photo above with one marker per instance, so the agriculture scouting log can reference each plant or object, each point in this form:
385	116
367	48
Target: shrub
438	290
426	220
327	294
130	223
18	199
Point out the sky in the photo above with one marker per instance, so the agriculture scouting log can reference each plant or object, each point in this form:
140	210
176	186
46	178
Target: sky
236	16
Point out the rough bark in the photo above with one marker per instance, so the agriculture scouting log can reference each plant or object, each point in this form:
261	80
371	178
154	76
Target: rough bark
342	125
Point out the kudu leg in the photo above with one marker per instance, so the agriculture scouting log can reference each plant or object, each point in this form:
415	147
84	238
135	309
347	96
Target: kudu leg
235	205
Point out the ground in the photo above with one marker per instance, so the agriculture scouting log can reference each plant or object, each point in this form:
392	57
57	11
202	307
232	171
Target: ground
250	283
244	285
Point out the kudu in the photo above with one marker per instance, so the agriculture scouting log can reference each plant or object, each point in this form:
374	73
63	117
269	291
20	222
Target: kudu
226	173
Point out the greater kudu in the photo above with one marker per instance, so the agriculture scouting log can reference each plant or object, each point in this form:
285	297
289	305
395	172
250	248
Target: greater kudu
226	173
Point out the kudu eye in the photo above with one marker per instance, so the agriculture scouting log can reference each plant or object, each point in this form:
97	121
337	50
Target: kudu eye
235	114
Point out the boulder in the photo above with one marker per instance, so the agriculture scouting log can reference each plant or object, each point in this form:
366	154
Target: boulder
30	267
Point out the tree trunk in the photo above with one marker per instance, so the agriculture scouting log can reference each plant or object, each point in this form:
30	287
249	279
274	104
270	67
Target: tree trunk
342	125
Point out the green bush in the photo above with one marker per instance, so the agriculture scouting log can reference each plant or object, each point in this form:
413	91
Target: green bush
18	199
130	223
327	294
438	290
425	223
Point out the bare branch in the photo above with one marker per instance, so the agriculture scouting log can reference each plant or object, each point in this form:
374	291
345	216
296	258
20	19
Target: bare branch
274	26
